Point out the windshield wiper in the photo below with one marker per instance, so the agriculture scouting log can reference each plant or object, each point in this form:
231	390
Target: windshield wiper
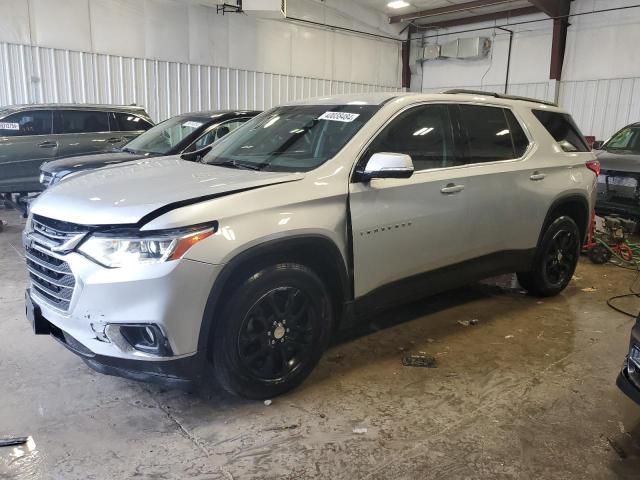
128	150
236	164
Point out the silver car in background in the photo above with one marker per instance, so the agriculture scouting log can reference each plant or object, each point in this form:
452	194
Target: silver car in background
241	267
33	134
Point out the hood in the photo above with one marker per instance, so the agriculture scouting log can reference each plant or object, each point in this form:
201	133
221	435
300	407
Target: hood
124	194
619	161
86	162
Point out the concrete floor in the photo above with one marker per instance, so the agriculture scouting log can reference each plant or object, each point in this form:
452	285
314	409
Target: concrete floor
529	392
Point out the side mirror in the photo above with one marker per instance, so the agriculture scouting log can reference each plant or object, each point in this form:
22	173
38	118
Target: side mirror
597	145
388	165
196	155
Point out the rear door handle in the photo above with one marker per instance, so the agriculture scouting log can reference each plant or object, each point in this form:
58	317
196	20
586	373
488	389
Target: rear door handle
114	140
48	144
451	188
537	176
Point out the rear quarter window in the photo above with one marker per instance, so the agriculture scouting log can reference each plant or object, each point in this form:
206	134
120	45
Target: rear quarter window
127	122
563	129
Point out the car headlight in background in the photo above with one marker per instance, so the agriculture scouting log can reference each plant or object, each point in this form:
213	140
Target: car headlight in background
121	251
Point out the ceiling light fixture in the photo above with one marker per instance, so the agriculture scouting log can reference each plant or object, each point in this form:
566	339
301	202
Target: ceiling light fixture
398	4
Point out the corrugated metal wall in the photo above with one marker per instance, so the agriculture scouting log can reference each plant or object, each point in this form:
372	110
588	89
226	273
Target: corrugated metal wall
36	74
601	107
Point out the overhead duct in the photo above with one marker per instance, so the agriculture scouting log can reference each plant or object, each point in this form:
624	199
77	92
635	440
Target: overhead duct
462	48
265	8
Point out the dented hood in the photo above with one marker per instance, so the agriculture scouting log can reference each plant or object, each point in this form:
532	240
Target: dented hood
125	194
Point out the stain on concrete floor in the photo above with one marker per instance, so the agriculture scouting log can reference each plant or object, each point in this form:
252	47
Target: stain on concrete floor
527	392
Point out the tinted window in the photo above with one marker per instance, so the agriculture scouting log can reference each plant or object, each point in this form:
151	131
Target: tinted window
626	140
166	136
520	140
563	130
292	138
488	133
217	133
36	122
80	121
424	133
125	122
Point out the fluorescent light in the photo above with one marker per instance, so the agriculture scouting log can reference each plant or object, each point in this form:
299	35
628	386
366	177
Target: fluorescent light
423	131
398	4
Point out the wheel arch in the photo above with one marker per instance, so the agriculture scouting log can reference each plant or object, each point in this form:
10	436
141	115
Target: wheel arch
575	206
317	252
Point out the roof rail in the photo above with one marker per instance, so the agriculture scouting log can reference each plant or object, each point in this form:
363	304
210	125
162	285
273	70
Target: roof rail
499	95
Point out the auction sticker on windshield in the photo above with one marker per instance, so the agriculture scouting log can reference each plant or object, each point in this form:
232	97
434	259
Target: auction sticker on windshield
9	126
192	124
339	116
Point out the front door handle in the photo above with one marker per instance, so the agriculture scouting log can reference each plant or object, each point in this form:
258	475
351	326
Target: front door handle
537	176
451	188
114	140
48	144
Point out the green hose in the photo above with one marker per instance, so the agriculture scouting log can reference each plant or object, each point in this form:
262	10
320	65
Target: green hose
635	248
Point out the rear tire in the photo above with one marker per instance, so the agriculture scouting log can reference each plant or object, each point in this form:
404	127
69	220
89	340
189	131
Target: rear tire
272	331
555	260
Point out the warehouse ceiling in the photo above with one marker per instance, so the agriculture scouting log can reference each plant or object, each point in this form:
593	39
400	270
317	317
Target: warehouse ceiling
452	12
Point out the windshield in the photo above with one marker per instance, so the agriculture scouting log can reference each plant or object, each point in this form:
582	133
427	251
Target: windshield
162	138
291	138
626	140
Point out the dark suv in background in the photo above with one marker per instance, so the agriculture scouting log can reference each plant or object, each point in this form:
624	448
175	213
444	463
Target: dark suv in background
188	134
33	134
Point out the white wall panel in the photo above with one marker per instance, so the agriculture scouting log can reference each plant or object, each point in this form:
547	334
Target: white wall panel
14	21
61	23
37	74
123	17
187	32
166	27
601	107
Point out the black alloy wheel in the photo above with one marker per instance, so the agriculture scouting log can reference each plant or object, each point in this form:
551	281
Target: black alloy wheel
277	333
271	331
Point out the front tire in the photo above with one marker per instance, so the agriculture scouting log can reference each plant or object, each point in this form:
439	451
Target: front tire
272	331
555	260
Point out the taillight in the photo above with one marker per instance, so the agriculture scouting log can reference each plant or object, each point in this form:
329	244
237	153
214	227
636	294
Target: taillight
594	166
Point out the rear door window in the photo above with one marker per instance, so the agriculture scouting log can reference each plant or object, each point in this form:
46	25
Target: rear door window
127	122
488	134
80	121
33	122
563	129
424	133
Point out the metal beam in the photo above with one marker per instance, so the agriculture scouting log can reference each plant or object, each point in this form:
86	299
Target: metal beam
558	47
481	18
458	8
553	8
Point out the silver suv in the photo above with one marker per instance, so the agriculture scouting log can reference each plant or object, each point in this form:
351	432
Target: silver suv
240	268
33	134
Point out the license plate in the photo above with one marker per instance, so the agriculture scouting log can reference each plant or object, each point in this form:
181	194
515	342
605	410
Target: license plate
34	316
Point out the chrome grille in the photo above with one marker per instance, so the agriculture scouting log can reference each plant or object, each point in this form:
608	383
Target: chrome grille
51	277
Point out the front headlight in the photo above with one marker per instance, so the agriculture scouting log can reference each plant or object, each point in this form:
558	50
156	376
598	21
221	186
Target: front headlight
120	251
